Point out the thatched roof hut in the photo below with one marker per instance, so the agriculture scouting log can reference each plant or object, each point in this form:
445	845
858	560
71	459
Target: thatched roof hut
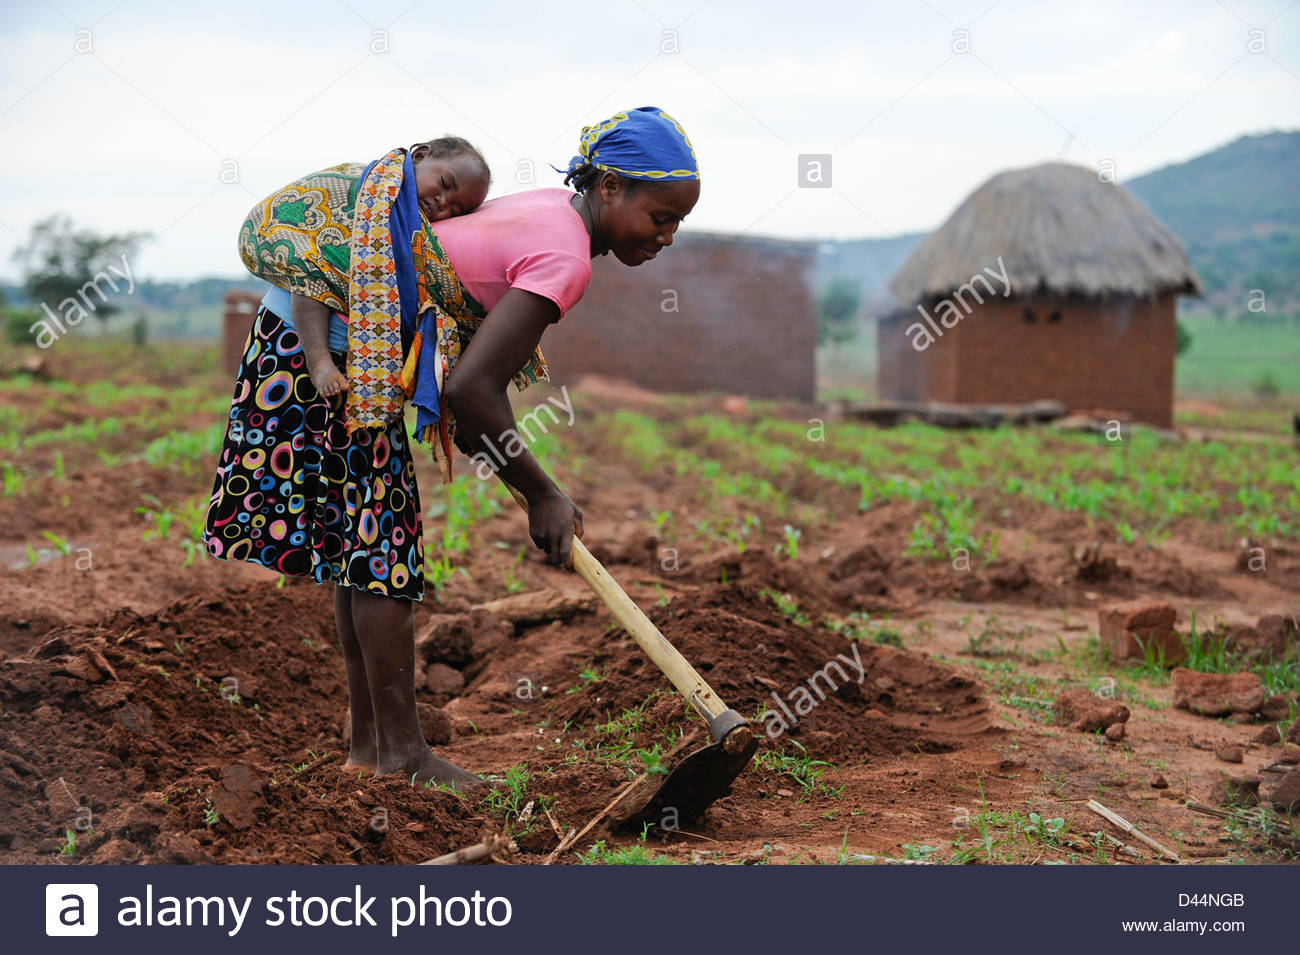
1046	283
1058	229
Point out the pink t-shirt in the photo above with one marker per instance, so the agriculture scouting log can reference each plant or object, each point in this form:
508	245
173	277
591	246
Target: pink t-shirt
533	240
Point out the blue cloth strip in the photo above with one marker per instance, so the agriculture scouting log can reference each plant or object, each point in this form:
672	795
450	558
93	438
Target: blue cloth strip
403	223
279	301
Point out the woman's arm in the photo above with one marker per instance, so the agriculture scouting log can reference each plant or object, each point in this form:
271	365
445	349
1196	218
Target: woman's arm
476	395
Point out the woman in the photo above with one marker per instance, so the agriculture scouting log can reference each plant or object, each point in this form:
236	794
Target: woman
500	276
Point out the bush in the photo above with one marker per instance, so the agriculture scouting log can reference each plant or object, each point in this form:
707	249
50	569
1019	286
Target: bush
1265	386
837	310
140	331
17	325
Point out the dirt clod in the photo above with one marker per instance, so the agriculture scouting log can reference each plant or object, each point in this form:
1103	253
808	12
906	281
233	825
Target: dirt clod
1286	794
1088	713
1229	752
1217	694
1235	790
435	724
443	681
446	639
1276	707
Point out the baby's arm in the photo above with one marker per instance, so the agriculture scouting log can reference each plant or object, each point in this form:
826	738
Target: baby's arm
312	320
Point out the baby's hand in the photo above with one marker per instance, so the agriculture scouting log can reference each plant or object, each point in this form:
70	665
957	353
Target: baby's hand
329	381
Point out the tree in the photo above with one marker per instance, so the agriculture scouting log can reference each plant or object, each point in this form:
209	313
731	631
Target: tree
140	330
59	261
837	308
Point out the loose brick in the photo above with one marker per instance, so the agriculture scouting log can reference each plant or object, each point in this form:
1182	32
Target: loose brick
1126	628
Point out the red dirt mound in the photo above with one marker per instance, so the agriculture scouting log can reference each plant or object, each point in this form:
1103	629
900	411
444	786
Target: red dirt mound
861	699
153	723
209	732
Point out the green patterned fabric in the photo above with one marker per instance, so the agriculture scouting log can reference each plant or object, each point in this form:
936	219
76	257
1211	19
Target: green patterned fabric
299	237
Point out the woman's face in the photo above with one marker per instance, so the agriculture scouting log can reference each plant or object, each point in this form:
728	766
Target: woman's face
447	187
638	223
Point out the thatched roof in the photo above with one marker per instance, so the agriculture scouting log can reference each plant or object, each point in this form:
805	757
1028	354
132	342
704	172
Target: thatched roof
1058	229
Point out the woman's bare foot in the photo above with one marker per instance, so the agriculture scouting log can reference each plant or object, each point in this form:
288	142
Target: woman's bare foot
356	764
424	766
363	755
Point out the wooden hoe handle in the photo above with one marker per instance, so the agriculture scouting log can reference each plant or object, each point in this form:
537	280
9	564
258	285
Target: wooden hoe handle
656	646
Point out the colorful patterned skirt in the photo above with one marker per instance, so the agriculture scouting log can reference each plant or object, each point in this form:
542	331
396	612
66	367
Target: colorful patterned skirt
295	493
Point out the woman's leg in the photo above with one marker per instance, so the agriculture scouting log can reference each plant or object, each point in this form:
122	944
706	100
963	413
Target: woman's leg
385	630
364	754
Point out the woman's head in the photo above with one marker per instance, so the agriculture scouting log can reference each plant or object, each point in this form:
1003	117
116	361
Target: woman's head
451	177
639	178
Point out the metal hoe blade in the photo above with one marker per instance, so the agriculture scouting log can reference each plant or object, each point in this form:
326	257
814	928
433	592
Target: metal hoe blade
697	781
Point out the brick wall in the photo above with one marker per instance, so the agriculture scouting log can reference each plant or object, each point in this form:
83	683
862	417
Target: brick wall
239	309
1116	354
902	373
905	374
745	320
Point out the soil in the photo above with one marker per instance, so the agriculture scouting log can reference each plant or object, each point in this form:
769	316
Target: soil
195	713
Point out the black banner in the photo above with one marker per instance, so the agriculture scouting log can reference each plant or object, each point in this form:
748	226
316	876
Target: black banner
645	909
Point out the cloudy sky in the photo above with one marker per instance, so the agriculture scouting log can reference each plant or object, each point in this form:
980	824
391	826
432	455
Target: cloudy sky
125	114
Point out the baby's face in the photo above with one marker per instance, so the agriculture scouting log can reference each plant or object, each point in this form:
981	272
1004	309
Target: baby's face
448	187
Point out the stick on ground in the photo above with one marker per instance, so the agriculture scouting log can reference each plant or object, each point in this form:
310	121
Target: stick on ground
574	837
489	846
1124	825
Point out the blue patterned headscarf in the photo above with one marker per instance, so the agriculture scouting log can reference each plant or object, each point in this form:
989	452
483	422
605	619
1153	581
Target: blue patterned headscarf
644	143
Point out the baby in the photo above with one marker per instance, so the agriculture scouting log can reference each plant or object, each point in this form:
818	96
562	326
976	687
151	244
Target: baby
452	179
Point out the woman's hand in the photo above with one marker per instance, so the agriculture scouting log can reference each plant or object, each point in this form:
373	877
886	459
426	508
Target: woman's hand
553	520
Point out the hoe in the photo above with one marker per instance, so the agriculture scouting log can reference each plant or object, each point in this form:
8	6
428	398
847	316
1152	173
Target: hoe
701	777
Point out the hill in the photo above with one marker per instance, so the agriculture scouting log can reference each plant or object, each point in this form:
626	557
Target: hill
867	262
1237	209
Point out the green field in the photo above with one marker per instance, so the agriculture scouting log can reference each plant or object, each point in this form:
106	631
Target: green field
1232	359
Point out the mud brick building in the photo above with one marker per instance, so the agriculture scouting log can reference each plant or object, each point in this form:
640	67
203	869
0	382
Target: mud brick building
238	311
735	314
714	312
1086	314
